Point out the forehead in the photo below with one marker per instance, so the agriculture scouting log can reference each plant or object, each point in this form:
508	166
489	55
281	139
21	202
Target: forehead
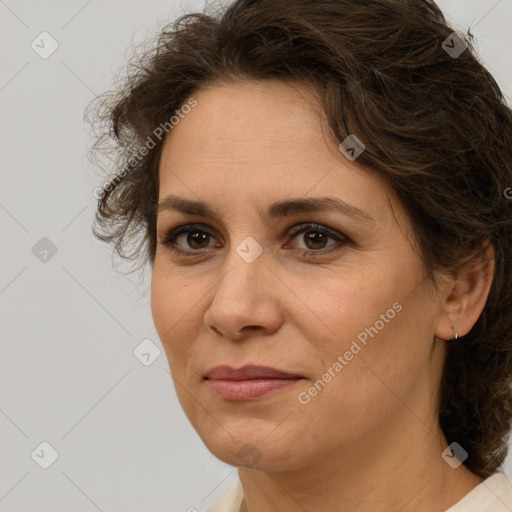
268	140
234	120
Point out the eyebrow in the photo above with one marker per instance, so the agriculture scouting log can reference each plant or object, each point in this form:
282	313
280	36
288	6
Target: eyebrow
275	210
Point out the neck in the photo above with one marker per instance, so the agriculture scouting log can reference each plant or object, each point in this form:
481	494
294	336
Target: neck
377	476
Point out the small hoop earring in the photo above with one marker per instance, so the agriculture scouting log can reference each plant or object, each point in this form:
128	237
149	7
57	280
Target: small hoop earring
456	335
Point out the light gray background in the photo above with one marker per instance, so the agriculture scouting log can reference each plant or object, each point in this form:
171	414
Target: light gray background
69	326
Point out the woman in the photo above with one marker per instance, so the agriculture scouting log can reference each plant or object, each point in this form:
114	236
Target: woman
321	191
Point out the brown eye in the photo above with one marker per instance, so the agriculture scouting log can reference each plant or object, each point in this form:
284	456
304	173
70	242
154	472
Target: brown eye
315	238
195	238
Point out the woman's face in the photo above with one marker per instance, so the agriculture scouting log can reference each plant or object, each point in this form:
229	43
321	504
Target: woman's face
353	319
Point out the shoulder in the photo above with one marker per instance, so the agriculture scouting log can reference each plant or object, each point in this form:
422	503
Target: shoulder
230	502
494	494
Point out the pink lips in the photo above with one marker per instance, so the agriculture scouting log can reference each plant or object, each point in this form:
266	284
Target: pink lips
249	382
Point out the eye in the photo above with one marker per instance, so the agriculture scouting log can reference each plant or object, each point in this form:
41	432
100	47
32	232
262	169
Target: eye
315	238
197	238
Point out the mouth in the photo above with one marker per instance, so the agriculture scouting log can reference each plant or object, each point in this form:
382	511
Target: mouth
249	382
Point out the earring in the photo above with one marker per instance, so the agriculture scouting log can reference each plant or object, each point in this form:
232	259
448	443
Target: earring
456	335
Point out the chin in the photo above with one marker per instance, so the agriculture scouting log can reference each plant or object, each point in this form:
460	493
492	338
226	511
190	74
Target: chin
252	448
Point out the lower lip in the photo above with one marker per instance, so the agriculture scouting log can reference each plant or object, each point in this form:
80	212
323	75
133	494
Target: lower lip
240	390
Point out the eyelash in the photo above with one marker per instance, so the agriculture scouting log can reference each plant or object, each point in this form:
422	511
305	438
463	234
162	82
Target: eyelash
168	239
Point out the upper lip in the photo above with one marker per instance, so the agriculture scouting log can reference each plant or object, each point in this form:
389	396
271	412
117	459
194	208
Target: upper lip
248	372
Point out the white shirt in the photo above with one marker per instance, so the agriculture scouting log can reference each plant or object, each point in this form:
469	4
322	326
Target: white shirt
492	495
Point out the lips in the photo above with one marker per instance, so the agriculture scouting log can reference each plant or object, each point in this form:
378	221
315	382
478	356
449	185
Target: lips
249	382
248	372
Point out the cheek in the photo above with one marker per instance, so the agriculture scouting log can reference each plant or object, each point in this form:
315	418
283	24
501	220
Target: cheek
160	302
385	341
177	314
370	320
336	308
167	310
170	299
173	315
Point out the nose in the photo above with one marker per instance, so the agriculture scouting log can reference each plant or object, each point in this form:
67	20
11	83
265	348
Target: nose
245	299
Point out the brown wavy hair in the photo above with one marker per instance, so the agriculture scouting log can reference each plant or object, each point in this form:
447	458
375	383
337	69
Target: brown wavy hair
436	127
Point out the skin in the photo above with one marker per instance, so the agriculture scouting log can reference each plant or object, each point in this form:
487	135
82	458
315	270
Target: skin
370	439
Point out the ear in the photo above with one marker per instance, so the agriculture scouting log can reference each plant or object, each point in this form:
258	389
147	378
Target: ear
465	295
